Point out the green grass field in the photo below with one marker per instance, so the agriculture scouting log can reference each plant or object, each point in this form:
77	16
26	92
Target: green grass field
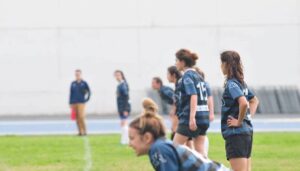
271	151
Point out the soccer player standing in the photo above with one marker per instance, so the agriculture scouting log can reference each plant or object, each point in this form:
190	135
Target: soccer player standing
237	102
210	103
123	104
194	115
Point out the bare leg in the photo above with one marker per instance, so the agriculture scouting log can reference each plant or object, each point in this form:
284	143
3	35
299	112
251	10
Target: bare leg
180	139
190	144
175	122
249	164
199	145
239	164
123	122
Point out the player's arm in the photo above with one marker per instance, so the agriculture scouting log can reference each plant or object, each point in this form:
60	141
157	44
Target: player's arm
193	107
190	89
243	105
210	103
71	95
88	91
253	103
237	94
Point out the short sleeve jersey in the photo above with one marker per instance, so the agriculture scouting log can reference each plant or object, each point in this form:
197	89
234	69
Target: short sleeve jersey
193	84
230	107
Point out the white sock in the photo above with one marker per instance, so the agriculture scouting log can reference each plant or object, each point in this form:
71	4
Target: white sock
206	145
124	135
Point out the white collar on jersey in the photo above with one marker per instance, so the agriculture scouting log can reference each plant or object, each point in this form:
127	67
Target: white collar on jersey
122	81
189	69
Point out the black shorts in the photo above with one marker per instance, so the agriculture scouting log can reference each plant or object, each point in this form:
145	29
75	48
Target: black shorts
173	135
238	146
185	131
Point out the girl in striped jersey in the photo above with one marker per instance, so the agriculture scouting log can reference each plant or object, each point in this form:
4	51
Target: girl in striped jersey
147	135
174	76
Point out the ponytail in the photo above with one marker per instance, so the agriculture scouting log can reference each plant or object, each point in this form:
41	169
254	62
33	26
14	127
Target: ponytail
149	121
200	72
187	56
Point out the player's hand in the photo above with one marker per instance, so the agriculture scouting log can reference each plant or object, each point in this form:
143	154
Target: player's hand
192	124
126	113
232	122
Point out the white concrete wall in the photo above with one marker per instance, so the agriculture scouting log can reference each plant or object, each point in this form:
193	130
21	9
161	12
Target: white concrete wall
43	41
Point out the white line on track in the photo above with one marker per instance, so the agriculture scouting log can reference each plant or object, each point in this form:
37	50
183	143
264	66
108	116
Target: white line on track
114	121
87	154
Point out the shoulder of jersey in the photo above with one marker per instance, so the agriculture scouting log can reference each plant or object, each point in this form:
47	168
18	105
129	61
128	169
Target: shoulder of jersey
232	84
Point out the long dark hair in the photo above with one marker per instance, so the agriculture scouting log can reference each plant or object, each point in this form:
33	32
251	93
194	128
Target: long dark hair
174	71
200	72
123	77
233	65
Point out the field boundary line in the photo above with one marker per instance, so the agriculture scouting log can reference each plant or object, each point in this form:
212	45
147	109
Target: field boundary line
87	154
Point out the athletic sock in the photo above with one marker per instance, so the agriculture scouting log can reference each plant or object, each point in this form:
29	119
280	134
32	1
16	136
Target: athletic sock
124	135
206	145
126	138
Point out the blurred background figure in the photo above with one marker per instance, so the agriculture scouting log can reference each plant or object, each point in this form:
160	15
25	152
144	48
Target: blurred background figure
174	76
166	94
123	104
79	94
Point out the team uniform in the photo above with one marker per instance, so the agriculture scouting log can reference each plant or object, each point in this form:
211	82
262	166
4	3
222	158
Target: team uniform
167	94
206	142
165	156
238	139
177	97
123	99
192	84
177	103
208	89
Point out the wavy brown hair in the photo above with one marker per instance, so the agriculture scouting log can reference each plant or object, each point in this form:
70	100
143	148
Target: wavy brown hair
233	65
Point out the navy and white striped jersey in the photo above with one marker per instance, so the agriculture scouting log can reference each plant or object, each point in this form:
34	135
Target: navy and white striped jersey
123	97
230	106
193	84
167	94
165	156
